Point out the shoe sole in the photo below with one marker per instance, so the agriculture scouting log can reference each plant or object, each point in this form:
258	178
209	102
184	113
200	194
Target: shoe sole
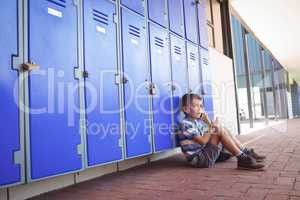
251	169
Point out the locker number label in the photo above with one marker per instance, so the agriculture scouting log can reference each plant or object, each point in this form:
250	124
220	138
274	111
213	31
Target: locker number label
54	12
135	42
101	29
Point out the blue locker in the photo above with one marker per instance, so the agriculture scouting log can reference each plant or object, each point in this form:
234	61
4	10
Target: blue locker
157	12
53	90
202	20
9	114
179	73
176	18
161	78
208	106
191	21
194	68
206	72
135	5
103	120
136	92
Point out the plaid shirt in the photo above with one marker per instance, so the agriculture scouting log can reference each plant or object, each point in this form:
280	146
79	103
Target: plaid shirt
188	129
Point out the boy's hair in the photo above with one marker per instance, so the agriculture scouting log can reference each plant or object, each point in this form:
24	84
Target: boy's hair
188	98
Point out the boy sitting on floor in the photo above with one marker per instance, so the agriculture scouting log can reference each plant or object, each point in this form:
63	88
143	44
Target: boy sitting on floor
202	141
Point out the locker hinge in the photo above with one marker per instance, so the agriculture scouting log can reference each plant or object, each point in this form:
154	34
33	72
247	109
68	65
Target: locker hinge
80	74
115	18
119	79
80	149
76	73
18	157
16	62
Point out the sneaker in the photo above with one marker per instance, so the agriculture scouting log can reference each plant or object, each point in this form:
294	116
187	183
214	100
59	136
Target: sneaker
249	163
257	157
224	156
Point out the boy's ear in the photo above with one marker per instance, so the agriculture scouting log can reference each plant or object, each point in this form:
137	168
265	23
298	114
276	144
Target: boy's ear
185	109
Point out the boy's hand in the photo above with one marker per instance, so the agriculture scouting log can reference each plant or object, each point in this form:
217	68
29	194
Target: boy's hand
204	117
216	124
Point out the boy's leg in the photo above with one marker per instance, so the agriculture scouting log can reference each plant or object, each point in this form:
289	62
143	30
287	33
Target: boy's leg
227	142
251	152
234	139
244	161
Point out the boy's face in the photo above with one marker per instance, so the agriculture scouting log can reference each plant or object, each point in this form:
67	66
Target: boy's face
194	109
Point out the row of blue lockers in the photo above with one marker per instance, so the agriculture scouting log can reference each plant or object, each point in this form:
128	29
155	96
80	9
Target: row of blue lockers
95	57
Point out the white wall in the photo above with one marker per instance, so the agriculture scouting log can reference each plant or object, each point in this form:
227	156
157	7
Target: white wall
223	89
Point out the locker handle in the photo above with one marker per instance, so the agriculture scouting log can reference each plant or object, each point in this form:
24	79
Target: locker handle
29	66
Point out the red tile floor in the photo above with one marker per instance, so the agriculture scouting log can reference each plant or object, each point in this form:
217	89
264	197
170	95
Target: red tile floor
172	178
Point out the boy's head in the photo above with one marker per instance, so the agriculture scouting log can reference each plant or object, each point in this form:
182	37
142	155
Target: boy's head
192	105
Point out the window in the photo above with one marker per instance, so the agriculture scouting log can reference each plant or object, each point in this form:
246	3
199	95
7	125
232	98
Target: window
210	23
214	24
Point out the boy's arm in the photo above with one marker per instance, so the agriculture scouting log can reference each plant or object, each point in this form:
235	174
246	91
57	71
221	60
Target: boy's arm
202	139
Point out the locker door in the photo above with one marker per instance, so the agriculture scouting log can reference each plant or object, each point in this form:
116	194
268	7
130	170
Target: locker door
161	78
157	12
190	20
194	68
53	90
135	5
176	16
207	84
9	115
206	72
103	116
136	95
208	106
179	73
202	20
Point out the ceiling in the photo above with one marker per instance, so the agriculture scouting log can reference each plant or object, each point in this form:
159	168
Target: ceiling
276	23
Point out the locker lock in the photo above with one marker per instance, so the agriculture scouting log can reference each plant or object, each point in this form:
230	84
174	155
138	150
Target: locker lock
85	74
152	89
120	79
173	87
198	1
29	66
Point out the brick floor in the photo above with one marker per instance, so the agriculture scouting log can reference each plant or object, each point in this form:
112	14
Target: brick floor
172	178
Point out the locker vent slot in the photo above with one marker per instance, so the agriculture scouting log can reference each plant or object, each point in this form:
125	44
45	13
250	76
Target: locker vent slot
134	31
100	17
192	56
60	3
177	50
205	61
159	42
